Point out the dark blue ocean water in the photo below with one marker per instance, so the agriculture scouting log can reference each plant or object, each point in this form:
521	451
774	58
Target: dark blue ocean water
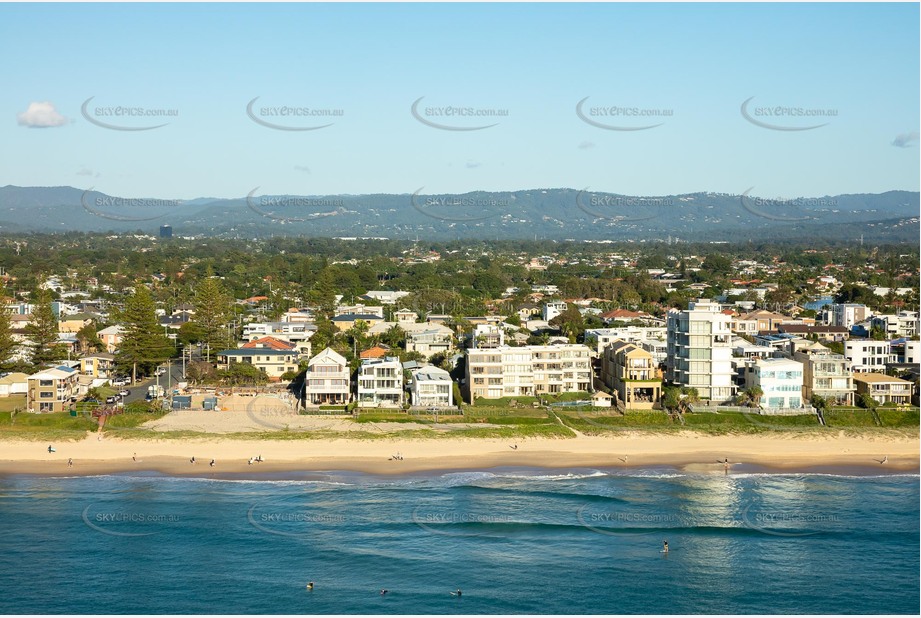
515	541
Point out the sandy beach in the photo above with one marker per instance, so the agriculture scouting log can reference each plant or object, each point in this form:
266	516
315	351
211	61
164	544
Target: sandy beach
692	451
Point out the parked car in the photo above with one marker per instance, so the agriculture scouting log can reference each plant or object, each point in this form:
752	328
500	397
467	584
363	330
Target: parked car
111	399
121	381
124	392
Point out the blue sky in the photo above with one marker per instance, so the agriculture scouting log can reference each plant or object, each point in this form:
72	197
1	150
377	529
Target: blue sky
697	63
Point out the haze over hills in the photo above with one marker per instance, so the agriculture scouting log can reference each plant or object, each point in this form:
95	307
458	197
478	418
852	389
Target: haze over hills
553	214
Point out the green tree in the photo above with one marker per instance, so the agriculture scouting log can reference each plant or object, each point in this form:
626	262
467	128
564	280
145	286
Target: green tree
88	339
570	323
42	331
8	345
754	395
243	373
142	342
212	314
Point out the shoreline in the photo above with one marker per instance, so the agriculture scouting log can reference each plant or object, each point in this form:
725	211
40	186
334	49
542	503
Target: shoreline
631	450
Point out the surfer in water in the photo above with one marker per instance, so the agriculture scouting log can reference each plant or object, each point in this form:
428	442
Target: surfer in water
456	593
384	591
664	547
309	585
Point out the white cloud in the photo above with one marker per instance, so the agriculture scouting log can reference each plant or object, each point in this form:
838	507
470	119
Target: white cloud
41	115
302	168
83	171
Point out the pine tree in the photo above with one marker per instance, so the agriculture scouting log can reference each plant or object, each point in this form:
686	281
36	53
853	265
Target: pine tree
142	342
8	345
42	331
212	314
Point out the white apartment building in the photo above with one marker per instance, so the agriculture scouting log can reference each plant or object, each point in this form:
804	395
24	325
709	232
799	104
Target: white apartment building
552	309
600	338
386	297
699	350
432	387
868	355
847	314
327	379
528	370
380	382
904	324
292	332
488	336
359	309
780	380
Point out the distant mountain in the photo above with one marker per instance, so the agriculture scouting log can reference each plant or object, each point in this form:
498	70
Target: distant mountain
555	214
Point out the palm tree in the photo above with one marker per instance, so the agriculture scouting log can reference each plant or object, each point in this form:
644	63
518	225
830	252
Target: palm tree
754	395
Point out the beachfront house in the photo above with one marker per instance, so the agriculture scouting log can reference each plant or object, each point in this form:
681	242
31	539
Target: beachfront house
431	387
50	390
631	373
380	382
826	374
884	389
327	379
780	381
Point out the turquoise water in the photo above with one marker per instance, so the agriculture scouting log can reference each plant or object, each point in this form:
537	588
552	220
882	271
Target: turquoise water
515	541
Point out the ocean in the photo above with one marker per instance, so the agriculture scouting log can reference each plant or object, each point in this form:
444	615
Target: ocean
513	541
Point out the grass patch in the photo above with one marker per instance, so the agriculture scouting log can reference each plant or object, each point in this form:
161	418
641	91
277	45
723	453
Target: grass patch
899	418
8	404
849	418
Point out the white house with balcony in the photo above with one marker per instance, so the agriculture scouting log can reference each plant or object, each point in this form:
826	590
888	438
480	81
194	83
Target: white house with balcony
780	381
380	382
552	309
431	387
868	355
327	379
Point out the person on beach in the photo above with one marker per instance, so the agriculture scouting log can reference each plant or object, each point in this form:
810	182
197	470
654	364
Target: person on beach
70	462
192	460
212	463
134	457
50	449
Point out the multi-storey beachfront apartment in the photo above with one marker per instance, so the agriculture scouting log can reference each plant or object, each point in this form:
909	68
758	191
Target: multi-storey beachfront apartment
631	372
847	314
868	354
50	390
780	381
528	370
826	374
700	350
327	379
903	324
380	382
